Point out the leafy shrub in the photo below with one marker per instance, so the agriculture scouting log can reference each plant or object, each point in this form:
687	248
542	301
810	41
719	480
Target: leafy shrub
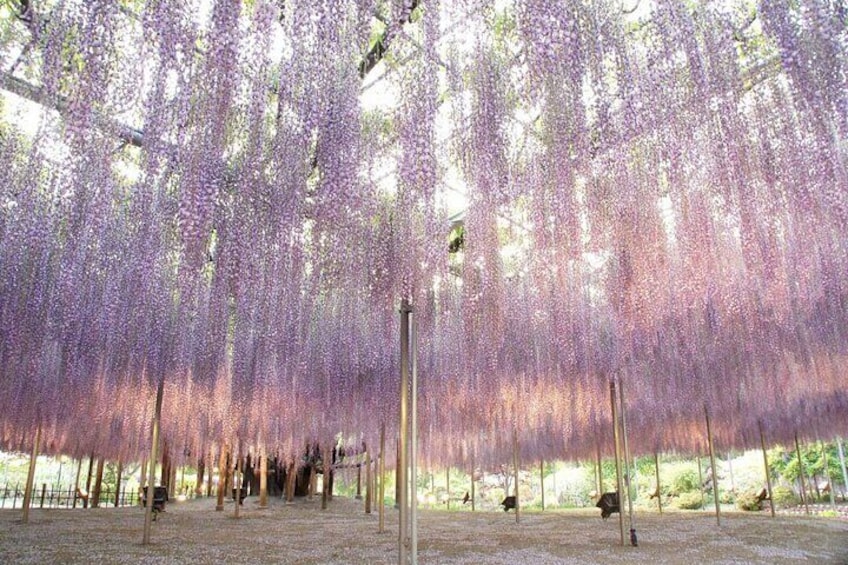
784	496
727	497
689	501
748	502
684	481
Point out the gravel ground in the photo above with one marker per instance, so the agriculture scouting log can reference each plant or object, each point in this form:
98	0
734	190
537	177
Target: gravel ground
192	532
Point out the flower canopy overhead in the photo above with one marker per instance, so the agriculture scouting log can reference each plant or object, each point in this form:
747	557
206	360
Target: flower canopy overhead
234	197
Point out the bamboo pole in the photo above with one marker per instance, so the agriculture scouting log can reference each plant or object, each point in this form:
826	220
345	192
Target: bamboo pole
627	472
659	490
542	480
617	458
403	488
801	475
222	477
766	466
515	470
31	476
154	449
713	465
381	493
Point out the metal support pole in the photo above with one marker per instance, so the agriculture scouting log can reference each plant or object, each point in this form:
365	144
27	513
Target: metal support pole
766	465
627	472
617	458
413	456
659	490
801	475
515	467
381	492
403	504
154	455
713	465
31	476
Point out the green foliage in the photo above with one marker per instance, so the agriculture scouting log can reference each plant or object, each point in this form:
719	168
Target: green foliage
684	481
748	502
689	501
784	496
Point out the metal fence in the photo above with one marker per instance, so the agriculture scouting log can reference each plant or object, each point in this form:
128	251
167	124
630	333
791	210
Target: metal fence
52	496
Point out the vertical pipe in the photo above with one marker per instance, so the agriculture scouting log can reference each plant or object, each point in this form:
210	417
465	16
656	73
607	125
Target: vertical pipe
154	449
617	458
31	476
381	493
766	465
413	457
542	480
659	489
713	465
515	470
627	471
403	505
801	475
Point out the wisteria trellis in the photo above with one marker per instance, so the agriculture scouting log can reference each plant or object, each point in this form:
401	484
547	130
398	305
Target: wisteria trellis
658	196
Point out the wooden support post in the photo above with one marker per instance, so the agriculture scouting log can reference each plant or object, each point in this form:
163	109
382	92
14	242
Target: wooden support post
447	487
118	483
827	476
210	461
701	480
381	493
403	431
766	467
238	477
325	483
368	489
313	480
515	470
31	475
713	466
291	477
201	474
617	447
659	490
222	477
628	474
79	471
263	478
801	475
98	484
542	480
154	448
599	470
473	484
85	501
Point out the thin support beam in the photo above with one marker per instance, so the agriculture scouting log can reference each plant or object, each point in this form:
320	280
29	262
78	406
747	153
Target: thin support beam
659	489
118	483
154	454
31	476
403	504
801	475
617	446
381	493
827	476
263	477
413	454
542	480
369	492
222	478
842	464
515	470
713	465
627	472
766	466
473	483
